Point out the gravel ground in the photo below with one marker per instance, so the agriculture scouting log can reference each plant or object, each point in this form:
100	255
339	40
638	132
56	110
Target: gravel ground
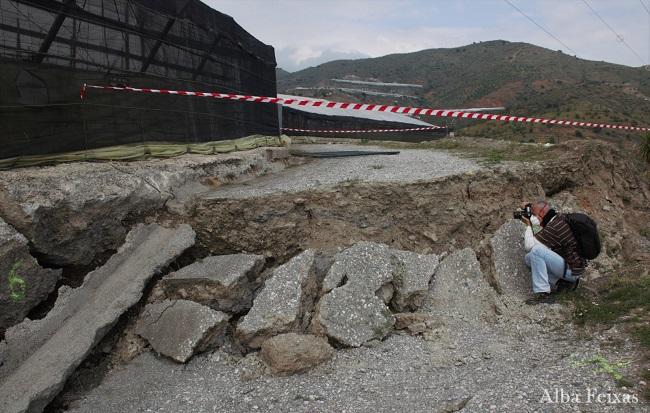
502	368
409	166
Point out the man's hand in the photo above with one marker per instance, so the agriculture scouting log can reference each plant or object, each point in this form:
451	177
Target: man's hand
526	221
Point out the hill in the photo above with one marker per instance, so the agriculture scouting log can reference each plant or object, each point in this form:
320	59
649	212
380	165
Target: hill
526	79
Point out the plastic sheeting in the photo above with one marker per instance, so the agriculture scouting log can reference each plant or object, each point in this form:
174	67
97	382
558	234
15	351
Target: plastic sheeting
49	48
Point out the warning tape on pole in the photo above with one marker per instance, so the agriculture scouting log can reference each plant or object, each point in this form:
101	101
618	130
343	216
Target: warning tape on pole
368	107
361	130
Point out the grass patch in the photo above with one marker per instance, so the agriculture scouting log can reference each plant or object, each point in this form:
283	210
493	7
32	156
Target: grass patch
645	148
485	153
603	365
17	286
618	298
642	333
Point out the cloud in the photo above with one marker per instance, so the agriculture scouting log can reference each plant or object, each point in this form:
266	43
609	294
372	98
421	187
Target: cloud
309	32
296	58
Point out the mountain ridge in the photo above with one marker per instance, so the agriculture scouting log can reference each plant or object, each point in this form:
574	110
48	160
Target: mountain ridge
526	79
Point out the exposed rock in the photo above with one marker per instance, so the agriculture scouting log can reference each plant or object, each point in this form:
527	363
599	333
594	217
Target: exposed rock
411	276
223	282
415	323
23	283
362	281
181	328
459	291
367	265
41	354
511	273
281	305
353	316
71	212
295	353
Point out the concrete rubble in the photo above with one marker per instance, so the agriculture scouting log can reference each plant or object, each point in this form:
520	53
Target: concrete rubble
179	328
40	355
353	316
363	280
222	282
366	265
26	284
511	273
281	305
295	353
411	278
70	212
459	291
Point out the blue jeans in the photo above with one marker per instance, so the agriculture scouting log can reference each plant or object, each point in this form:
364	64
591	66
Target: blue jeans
547	268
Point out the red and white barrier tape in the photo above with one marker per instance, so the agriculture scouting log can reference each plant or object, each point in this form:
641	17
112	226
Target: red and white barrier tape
361	131
368	107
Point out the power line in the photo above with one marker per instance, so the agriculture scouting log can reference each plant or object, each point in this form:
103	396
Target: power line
648	11
540	26
618	36
644	6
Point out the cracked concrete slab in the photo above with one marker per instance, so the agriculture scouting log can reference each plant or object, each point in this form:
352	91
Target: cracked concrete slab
23	283
40	355
222	282
281	304
181	328
511	273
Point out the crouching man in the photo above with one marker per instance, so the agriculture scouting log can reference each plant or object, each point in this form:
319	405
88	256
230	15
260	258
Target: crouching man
552	253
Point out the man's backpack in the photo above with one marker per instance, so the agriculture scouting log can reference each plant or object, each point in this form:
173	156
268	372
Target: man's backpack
586	233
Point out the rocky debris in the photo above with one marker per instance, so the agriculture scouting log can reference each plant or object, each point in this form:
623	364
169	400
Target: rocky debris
362	281
511	273
282	304
458	290
366	265
222	282
23	283
352	316
411	276
277	154
180	328
295	353
70	212
40	355
414	323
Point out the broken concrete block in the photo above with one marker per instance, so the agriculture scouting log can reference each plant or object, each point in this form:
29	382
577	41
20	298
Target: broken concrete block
295	353
281	305
459	291
366	264
23	283
511	273
414	323
41	354
353	316
179	328
222	282
411	276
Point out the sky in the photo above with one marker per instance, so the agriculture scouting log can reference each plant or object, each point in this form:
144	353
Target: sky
310	32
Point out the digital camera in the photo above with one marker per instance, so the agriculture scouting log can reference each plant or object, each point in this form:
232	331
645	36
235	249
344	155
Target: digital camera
526	212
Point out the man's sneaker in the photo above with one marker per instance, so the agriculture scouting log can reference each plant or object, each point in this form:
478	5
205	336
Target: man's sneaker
564	285
575	284
540	298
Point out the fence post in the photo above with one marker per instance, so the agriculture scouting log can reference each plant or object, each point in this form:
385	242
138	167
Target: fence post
279	119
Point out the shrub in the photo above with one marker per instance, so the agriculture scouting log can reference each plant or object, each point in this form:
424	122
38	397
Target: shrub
645	148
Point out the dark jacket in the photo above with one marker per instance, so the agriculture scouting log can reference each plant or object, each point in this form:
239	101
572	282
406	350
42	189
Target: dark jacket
557	235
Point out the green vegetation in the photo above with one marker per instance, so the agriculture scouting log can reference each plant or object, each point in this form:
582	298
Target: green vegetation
17	286
528	80
485	153
623	300
619	297
604	366
645	148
